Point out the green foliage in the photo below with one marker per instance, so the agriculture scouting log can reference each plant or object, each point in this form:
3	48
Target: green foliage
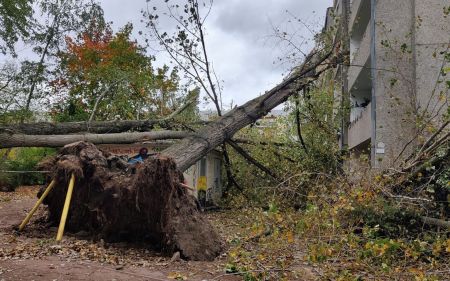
12	91
12	116
361	230
443	179
81	65
274	142
113	75
23	159
106	69
15	22
260	241
30	88
385	221
344	231
70	110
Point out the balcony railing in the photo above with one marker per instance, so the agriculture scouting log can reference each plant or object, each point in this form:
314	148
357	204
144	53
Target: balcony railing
359	129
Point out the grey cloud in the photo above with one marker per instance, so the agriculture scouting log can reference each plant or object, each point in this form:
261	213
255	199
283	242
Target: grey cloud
237	32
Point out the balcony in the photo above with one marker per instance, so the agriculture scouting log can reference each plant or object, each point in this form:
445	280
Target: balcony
354	9
359	59
360	128
360	15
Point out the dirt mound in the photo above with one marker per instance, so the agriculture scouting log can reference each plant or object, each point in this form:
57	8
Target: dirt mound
117	203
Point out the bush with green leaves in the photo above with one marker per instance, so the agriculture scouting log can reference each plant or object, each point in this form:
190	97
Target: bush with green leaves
23	159
298	157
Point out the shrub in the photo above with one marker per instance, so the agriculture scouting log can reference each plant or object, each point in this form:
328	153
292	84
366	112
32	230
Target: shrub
23	159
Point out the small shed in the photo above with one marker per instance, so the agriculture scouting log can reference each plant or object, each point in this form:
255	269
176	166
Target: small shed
206	178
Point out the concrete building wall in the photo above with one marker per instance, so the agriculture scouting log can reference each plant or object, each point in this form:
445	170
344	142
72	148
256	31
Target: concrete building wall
394	80
396	59
359	80
409	63
432	37
359	60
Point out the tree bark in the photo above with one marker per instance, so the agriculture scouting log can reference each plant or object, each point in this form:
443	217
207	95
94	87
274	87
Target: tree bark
436	222
252	160
96	127
193	148
299	123
21	140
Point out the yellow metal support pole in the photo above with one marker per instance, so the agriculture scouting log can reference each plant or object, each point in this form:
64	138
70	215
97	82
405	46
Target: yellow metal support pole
38	203
65	211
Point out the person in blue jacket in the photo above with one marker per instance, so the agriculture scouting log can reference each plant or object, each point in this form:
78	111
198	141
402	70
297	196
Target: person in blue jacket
143	154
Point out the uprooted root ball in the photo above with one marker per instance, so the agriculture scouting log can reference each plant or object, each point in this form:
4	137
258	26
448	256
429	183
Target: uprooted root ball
112	203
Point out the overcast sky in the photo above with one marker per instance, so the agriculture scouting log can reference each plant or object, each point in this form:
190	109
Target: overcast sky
239	38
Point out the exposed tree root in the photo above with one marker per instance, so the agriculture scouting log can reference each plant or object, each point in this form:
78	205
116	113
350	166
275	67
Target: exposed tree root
115	204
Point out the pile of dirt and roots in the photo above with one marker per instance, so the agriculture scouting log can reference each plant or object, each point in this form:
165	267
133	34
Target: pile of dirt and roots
116	202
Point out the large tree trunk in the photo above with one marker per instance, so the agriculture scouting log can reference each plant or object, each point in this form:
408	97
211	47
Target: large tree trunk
193	148
97	127
21	140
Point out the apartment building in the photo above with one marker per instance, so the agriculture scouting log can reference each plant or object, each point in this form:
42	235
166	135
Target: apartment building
394	75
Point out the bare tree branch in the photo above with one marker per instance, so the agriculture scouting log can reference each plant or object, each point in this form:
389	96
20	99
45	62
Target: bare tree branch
252	160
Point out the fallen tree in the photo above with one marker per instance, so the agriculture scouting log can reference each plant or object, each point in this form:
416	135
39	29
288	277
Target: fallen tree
95	127
152	203
111	202
191	149
98	127
22	140
195	145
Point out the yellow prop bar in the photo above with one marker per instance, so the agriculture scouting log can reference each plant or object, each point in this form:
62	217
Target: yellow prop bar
38	203
65	211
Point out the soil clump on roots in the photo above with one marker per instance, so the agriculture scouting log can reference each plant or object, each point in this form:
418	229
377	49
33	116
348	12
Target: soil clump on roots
111	202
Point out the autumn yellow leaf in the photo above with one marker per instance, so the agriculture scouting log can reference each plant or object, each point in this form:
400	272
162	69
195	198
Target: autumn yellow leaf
290	237
176	276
